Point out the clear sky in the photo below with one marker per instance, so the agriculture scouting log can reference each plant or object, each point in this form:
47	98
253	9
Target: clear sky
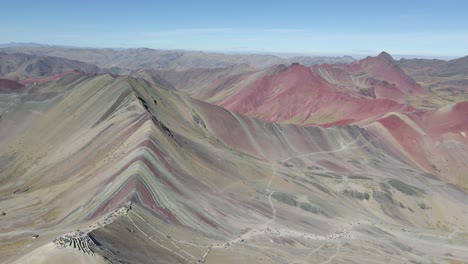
438	28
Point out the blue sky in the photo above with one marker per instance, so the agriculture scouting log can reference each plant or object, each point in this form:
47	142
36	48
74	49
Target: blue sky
435	28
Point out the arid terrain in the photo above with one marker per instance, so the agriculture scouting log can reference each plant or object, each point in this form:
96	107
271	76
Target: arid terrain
149	156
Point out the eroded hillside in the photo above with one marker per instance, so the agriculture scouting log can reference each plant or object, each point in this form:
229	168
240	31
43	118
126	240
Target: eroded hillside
210	185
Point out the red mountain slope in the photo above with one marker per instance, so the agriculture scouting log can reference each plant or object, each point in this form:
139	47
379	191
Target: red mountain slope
434	140
325	95
378	77
301	95
9	85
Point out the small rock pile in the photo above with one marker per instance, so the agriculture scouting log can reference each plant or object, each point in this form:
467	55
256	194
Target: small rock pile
77	239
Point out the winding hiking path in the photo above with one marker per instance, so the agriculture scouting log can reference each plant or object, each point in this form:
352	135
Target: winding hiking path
266	227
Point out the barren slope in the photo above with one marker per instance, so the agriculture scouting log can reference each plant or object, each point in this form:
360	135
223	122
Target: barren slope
326	95
447	80
31	68
209	185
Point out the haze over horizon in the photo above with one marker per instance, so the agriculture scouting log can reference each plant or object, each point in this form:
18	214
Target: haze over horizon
359	28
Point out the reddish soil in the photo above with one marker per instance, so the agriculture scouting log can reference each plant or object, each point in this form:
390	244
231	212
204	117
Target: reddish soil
9	86
299	94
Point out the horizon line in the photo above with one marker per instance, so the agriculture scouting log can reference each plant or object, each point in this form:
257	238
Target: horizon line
358	54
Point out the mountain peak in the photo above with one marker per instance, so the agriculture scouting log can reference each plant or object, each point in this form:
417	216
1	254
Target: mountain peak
385	55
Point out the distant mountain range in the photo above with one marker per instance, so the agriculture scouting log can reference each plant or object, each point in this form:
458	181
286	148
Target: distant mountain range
28	68
449	79
22	44
133	59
